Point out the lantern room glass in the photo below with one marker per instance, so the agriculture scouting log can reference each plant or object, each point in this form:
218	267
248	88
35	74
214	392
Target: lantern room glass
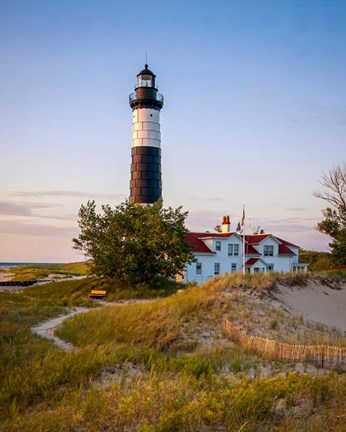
145	81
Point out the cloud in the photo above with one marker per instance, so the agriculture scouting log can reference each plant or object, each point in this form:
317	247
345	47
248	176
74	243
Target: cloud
296	209
69	217
21	209
72	194
289	220
202	220
41	230
209	199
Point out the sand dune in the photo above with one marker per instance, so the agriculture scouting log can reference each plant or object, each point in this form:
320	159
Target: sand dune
317	301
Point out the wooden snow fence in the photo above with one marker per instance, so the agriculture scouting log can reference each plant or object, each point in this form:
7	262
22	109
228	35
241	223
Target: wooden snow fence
319	355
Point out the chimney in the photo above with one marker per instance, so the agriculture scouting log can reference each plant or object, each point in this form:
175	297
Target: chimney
226	225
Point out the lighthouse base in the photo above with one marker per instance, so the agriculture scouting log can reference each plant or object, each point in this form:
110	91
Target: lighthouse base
145	184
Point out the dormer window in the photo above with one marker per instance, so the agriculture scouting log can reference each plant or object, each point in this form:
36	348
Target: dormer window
268	250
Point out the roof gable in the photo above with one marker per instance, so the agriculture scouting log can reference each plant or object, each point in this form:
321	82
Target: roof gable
286	243
250	250
258	238
194	239
284	250
250	262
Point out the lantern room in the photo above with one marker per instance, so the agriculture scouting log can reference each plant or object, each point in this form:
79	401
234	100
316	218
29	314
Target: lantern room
146	78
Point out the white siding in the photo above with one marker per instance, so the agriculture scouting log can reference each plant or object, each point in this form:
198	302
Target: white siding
282	263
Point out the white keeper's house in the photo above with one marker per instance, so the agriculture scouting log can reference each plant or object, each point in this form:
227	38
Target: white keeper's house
219	253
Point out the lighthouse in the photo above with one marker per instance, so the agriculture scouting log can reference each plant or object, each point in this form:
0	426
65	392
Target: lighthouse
146	103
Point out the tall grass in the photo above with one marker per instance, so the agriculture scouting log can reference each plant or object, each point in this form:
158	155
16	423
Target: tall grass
161	402
40	271
151	325
176	387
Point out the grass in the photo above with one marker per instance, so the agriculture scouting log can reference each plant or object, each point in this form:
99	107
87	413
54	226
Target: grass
320	262
138	368
41	271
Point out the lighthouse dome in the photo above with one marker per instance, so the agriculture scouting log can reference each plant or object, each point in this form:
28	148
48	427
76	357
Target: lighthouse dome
146	71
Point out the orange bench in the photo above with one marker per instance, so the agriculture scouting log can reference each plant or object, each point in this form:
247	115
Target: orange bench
97	293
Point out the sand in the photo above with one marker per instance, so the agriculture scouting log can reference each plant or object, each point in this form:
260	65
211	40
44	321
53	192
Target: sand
5	274
316	302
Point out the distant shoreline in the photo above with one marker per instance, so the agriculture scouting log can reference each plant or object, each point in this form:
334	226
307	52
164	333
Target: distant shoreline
18	264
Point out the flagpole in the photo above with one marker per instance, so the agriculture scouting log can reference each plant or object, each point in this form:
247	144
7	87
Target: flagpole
243	221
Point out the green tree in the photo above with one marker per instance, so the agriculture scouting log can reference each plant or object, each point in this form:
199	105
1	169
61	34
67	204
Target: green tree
334	223
134	243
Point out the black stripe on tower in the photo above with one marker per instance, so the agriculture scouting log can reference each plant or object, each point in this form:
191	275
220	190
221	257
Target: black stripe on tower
145	184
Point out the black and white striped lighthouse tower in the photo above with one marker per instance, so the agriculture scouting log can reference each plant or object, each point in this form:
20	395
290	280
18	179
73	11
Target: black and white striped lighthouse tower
146	103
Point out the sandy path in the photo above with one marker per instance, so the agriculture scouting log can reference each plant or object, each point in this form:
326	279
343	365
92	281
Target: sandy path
46	328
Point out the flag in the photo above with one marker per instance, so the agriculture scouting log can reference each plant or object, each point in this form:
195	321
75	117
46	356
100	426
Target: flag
238	227
243	217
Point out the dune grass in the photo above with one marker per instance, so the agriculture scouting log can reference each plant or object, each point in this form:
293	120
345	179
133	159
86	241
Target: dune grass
172	387
41	271
180	402
152	325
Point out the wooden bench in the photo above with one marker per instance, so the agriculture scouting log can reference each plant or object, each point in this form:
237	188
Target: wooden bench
97	293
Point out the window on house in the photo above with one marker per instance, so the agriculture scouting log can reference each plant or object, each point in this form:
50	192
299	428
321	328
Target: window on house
218	245
256	270
217	268
270	267
198	268
233	267
268	250
233	249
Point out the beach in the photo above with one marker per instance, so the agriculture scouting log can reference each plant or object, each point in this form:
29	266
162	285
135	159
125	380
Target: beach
316	301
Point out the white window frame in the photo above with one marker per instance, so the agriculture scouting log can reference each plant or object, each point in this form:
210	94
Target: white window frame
268	250
233	267
233	249
198	268
218	245
217	268
270	267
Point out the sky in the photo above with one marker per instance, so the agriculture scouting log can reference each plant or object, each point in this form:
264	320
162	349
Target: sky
254	114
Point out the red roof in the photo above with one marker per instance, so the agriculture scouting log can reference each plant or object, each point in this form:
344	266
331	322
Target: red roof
229	234
284	250
251	261
286	243
256	238
197	245
250	250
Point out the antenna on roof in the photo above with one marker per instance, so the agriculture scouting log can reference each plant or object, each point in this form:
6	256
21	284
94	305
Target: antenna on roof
146	57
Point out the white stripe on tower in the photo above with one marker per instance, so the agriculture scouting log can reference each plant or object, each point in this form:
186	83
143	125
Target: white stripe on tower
146	128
